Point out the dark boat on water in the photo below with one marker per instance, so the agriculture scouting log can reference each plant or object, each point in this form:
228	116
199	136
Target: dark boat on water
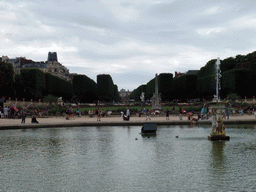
149	129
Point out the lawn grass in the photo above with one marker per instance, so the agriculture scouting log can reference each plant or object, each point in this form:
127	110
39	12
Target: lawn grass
139	108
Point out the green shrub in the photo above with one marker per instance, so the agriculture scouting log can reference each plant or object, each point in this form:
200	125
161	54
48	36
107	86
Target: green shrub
52	111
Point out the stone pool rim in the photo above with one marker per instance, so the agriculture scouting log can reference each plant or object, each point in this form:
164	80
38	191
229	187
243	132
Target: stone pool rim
29	125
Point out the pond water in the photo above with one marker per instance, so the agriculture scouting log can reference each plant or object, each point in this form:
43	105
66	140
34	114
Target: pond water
111	159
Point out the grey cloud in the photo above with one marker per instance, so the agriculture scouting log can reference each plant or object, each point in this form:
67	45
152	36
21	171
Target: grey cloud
167	35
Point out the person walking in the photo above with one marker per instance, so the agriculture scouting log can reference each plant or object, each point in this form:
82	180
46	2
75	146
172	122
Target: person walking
67	113
98	114
23	117
6	112
226	112
147	115
128	114
72	115
167	114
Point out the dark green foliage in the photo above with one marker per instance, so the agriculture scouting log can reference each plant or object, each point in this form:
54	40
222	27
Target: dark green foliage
33	83
191	86
18	87
208	69
237	77
206	87
206	80
239	81
178	87
150	89
136	93
58	87
165	86
228	64
233	97
247	62
184	87
116	94
105	88
50	99
85	89
6	79
240	58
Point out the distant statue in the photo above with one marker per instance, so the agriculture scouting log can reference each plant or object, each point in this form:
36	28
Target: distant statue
156	98
215	98
217	124
214	119
142	97
220	128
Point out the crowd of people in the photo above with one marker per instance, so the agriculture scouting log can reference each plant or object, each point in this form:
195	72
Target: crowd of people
9	112
12	111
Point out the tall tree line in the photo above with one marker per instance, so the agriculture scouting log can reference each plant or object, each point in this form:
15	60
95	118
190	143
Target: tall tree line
237	77
107	91
35	84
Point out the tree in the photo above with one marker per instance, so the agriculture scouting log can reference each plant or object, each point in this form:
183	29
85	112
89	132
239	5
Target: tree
184	87
228	64
6	79
233	97
150	89
207	70
58	87
50	99
136	93
239	81
33	82
206	80
165	83
84	88
106	88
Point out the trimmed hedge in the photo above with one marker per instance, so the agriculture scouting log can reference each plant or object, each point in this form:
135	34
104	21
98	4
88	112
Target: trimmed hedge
239	81
58	87
6	79
85	88
33	82
106	89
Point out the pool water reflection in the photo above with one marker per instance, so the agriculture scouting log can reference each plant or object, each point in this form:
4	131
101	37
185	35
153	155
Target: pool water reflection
110	159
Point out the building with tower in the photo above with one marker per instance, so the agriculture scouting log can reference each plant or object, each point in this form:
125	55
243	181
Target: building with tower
52	56
50	66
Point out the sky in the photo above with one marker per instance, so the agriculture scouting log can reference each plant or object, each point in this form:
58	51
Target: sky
131	40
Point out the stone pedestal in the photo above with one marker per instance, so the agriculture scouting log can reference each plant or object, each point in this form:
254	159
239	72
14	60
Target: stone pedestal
217	110
156	102
156	97
218	138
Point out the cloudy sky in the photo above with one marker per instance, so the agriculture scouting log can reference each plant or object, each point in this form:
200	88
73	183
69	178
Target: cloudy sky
129	39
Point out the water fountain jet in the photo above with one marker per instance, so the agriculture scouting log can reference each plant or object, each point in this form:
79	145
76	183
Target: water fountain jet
217	108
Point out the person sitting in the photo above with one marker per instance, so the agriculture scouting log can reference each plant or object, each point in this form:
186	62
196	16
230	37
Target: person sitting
33	120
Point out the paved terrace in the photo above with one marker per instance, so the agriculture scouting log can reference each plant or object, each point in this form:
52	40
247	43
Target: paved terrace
115	121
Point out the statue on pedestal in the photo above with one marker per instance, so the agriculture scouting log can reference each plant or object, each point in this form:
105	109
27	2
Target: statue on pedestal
142	97
156	97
